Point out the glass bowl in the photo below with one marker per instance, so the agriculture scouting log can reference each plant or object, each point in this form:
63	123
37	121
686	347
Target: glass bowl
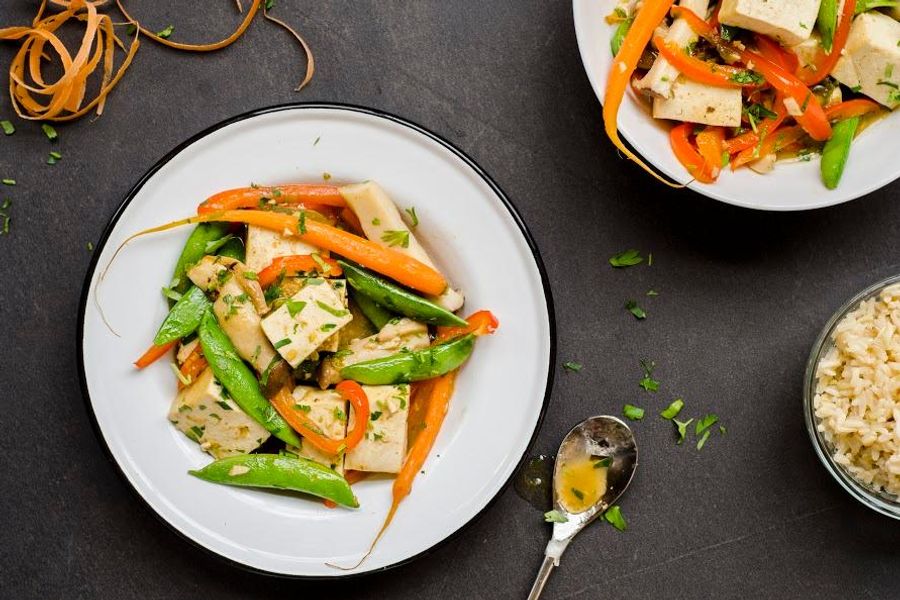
880	501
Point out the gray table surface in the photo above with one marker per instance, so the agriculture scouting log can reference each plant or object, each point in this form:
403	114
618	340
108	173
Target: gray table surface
742	295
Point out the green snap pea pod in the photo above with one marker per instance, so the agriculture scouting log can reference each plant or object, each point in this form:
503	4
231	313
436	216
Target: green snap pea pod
619	35
280	473
837	150
372	310
184	318
194	250
233	248
397	299
827	22
412	366
239	380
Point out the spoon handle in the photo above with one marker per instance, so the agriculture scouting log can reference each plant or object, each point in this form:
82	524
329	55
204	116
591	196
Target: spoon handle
541	580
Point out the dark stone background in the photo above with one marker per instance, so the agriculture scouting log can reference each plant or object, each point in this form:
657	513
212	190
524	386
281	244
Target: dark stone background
742	296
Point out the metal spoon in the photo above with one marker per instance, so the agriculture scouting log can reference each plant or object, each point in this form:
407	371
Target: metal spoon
596	438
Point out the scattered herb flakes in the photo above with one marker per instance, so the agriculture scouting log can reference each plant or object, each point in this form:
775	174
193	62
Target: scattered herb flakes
8	181
251	275
638	312
705	423
214	245
652	293
301	222
613	516
294	307
627	258
166	33
171	294
4	216
702	441
572	366
554	516
53	158
326	176
50	132
328	326
132	29
90	246
650	260
332	311
282	343
647	382
7	127
397	237
673	409
270	4
601	462
682	426
722	430
375	415
632	412
578	493
413	217
316	142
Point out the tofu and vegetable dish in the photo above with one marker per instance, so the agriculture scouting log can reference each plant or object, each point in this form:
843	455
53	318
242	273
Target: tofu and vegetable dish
314	339
748	83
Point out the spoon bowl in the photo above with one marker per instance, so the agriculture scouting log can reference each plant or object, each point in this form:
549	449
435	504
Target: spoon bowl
603	450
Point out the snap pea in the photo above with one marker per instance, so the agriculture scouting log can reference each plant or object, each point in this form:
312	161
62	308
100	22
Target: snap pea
194	250
281	473
239	380
184	318
619	35
372	310
837	150
233	248
827	22
404	367
395	298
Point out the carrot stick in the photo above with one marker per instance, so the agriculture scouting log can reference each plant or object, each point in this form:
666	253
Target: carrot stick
153	354
251	197
648	17
193	365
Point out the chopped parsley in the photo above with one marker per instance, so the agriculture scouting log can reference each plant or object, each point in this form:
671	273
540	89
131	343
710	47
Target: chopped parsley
166	33
673	409
572	366
702	441
652	293
294	307
647	382
7	127
270	4
681	426
638	312
705	423
328	326
171	294
413	217
282	343
339	414
397	237
601	462
375	415
627	258
50	132
303	407
747	78
224	405
301	222
728	32
554	516
633	412
251	275
4	217
613	516
8	181
326	176
376	222
90	246
578	493
53	158
757	112
331	310
316	142
214	245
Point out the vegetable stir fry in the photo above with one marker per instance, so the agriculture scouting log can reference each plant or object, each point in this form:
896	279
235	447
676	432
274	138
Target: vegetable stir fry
749	83
315	339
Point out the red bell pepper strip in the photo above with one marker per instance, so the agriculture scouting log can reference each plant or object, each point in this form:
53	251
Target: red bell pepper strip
773	143
650	15
823	64
851	108
702	71
283	401
812	116
482	322
153	354
687	155
295	264
308	194
777	53
752	138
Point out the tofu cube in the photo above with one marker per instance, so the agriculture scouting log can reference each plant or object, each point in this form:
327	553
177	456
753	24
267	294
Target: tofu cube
265	245
871	59
333	343
305	321
204	412
789	22
700	103
383	448
328	410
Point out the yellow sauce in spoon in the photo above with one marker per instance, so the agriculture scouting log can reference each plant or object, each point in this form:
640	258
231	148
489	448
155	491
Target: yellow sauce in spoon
581	483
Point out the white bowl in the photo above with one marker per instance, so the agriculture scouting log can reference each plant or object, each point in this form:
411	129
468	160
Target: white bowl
477	238
874	159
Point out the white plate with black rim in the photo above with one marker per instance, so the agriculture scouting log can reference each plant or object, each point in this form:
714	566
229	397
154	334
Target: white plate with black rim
791	186
479	241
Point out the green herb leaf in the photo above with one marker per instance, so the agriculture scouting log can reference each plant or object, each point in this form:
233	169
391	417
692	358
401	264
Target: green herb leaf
396	238
251	275
703	438
413	217
601	462
224	405
682	426
294	307
90	246
50	132
615	44
728	32
705	423
867	5
375	415
638	312
648	383
214	245
171	294
8	127
572	366
166	33
282	343
326	176
747	78
554	516
652	293
328	326
8	181
301	222
633	412
53	158
722	429
332	311
613	516
673	409
270	4
627	258
578	493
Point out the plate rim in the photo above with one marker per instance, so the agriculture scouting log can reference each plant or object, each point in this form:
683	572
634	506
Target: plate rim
290	106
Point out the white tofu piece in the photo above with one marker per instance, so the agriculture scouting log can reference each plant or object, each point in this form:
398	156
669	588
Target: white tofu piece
304	322
662	75
700	103
873	52
333	343
328	410
788	21
379	217
265	245
395	336
383	448
207	415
